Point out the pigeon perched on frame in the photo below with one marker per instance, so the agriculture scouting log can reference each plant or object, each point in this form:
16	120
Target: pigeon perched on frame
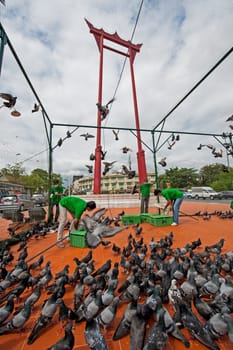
87	136
35	108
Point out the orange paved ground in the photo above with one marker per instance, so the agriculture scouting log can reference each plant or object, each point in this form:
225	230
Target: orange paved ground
189	230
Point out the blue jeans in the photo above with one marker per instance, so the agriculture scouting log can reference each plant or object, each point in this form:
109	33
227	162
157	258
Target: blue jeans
176	207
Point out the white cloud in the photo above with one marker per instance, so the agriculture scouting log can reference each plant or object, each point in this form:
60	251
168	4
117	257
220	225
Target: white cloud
182	41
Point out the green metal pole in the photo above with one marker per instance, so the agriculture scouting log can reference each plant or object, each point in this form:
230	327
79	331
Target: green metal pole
3	41
50	173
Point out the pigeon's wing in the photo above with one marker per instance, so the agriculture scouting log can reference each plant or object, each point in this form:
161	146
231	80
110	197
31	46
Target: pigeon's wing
5	96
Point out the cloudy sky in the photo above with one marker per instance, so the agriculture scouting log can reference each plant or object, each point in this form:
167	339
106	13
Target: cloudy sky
181	41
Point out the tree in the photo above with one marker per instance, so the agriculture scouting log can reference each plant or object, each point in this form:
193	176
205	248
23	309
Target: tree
179	178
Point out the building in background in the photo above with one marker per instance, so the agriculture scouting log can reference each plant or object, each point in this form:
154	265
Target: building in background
112	183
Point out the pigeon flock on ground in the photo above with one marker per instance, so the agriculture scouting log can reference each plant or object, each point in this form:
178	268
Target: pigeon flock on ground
185	293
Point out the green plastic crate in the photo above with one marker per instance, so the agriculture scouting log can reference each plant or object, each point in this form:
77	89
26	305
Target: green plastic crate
78	238
161	220
145	217
131	219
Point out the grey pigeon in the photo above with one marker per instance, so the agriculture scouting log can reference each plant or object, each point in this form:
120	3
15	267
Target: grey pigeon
66	342
108	314
104	109
93	335
31	299
87	136
7	309
46	315
216	326
123	327
229	321
195	327
157	338
17	321
10	100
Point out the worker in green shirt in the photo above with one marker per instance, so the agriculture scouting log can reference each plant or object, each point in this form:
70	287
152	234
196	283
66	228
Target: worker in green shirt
56	194
75	206
145	195
231	204
174	199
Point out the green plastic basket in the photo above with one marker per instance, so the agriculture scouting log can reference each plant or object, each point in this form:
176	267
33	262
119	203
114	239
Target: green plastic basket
78	238
161	220
145	217
131	219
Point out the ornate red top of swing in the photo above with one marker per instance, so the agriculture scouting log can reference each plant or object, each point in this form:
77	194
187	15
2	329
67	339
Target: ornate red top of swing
112	37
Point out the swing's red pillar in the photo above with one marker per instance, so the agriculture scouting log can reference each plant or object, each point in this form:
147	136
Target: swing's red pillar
100	35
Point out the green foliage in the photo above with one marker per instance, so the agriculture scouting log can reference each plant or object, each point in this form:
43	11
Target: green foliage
179	178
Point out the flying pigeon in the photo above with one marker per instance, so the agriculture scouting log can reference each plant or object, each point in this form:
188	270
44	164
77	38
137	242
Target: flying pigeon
104	110
107	166
163	162
229	119
200	147
35	108
87	136
103	154
210	147
116	132
10	100
126	149
217	154
90	168
92	156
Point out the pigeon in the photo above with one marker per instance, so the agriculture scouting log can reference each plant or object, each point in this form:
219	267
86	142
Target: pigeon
92	156
17	291
104	109
36	263
203	308
216	326
116	132
229	321
10	100
7	309
116	249
31	299
174	294
87	258
103	269
125	149
59	142
35	108
171	327
108	314
157	337
200	147
46	315
107	166
123	327
93	335
163	162
66	342
170	145
90	168
68	134
17	321
87	136
94	306
195	327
